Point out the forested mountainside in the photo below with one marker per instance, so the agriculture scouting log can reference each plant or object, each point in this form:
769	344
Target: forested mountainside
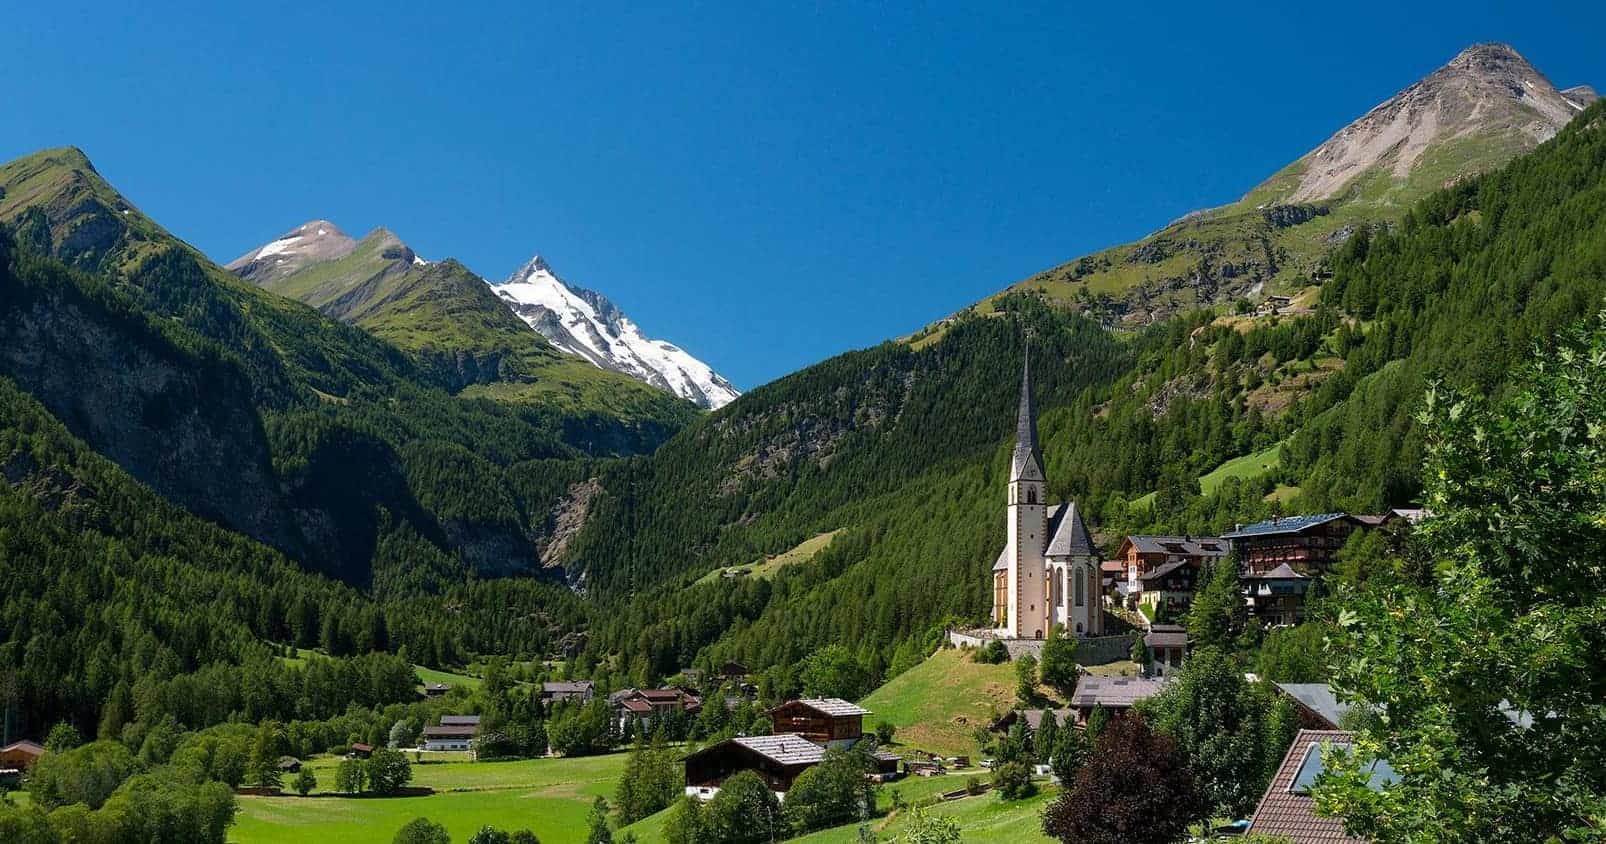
337	448
1475	113
1460	289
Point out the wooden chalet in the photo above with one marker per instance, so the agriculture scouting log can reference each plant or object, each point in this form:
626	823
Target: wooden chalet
777	759
827	721
436	689
566	691
1163	570
733	671
20	755
1307	544
1278	596
1033	718
360	750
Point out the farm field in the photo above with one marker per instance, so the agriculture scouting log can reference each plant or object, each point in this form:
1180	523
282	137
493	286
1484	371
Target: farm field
550	797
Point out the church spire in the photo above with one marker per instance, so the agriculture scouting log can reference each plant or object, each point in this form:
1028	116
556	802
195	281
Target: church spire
1027	464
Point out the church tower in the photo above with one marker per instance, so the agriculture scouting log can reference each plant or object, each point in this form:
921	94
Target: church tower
1026	571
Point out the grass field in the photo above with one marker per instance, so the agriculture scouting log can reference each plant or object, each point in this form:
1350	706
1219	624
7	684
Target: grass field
550	797
767	567
980	818
939	703
425	675
1245	467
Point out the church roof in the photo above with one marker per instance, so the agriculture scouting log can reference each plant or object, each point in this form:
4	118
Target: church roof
1068	533
1027	462
1003	560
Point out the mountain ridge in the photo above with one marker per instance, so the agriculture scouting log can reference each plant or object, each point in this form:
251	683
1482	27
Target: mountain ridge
587	324
317	264
1275	237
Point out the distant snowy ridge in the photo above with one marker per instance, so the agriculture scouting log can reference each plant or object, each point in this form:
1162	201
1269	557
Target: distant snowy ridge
583	322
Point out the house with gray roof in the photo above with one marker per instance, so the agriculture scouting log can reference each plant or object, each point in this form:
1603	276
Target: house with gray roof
1114	694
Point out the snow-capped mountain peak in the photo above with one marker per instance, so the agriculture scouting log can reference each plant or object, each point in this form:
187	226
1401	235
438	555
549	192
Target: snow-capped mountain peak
585	323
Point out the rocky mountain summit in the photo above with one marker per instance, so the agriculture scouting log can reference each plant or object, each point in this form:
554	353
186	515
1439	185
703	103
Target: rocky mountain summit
1486	106
309	243
585	323
1488	91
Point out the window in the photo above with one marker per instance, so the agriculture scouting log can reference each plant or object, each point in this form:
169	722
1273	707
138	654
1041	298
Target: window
1080	597
1031	495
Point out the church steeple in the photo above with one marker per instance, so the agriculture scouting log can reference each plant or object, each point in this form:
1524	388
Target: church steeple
1027	464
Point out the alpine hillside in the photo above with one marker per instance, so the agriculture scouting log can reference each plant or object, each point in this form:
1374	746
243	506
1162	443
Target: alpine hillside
1185	426
585	323
1475	113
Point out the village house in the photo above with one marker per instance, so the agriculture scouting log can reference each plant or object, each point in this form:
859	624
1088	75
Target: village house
1276	597
455	732
803	731
1167	645
1033	718
1048	572
436	689
1272	305
1318	708
1161	571
15	760
567	691
360	750
1309	544
649	706
1288	808
1115	695
826	721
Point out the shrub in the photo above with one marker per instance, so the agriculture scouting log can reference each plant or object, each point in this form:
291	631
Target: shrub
422	831
1013	781
884	731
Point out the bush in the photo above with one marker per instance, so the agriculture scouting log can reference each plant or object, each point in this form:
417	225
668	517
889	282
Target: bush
305	781
973	785
992	653
422	831
1013	781
884	731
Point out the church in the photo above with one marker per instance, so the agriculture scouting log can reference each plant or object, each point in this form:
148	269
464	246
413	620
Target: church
1048	573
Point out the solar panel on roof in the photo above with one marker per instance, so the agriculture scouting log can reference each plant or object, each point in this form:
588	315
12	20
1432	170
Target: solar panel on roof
1381	773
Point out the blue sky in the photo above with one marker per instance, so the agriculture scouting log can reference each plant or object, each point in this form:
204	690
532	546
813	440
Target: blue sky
765	184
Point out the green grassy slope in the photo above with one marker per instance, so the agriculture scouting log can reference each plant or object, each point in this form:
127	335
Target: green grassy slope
938	705
550	797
